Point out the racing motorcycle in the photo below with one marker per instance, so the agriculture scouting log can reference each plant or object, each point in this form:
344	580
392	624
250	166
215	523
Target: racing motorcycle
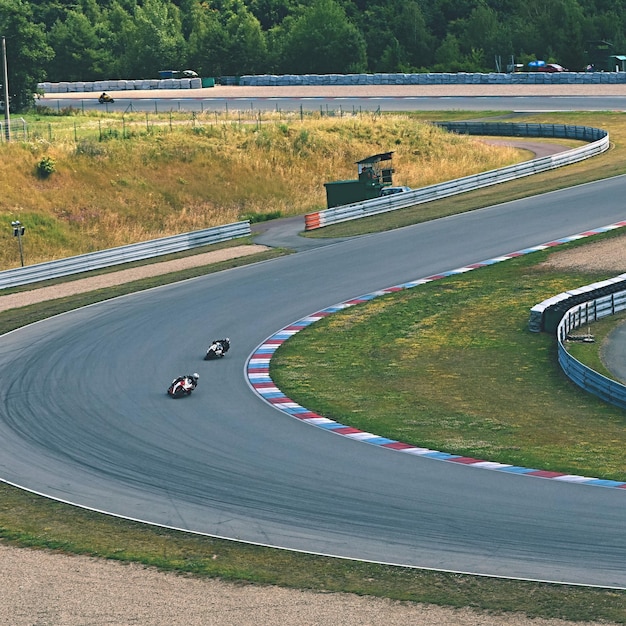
105	97
217	349
183	386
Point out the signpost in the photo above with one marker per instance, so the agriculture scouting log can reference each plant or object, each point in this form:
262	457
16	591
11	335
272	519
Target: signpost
18	231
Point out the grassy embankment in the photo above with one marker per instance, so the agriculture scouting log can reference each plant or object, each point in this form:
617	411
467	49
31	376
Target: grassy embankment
611	163
29	520
116	184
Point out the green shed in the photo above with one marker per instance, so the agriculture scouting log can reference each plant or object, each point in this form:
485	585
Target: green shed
342	192
373	176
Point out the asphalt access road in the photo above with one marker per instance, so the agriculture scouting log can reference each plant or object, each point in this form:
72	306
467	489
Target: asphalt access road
345	104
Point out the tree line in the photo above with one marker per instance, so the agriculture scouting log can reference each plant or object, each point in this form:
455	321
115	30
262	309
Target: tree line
84	40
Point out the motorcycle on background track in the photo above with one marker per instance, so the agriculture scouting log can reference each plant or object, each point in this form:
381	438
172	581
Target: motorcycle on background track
217	349
183	386
105	98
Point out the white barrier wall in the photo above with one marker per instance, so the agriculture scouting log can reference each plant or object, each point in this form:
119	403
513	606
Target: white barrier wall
120	85
288	80
428	78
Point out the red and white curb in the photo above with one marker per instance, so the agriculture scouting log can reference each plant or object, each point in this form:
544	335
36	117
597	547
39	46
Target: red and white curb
258	365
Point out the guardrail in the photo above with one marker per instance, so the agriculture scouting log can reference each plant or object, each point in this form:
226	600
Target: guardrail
586	378
599	139
547	315
122	254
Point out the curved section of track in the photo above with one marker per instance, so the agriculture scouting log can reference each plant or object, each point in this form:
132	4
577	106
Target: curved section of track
84	417
258	371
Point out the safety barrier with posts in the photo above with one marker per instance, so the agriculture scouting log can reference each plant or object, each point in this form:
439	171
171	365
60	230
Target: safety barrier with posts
571	310
122	254
598	138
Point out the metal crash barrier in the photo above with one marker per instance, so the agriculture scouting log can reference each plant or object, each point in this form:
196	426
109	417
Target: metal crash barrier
598	138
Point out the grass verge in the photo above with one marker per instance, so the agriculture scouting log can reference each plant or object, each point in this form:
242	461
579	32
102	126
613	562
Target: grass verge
451	365
590	354
31	521
152	180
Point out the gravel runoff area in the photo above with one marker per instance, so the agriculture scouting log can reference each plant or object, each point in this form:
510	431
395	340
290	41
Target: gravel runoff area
43	588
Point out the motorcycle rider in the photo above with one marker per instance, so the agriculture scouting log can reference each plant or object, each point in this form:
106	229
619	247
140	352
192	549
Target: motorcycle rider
190	381
222	345
219	347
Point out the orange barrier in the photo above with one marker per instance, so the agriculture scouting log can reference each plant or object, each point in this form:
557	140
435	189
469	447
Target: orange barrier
312	221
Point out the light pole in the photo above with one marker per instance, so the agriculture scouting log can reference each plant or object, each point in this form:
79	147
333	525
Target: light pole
18	231
5	74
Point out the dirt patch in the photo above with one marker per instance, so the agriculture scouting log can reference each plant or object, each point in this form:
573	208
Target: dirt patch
604	256
48	589
83	285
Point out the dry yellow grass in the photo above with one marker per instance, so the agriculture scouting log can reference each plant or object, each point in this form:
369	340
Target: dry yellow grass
141	182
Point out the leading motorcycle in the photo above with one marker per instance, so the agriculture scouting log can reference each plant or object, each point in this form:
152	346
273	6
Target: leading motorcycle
183	385
104	98
217	349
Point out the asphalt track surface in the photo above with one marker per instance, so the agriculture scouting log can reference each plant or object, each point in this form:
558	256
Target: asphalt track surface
149	103
614	352
84	417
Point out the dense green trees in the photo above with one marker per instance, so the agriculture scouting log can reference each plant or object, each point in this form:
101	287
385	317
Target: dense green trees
27	50
322	40
94	39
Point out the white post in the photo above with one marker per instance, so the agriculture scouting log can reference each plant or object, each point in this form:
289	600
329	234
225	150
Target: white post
7	115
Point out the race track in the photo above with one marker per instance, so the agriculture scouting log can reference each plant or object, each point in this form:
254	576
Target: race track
84	417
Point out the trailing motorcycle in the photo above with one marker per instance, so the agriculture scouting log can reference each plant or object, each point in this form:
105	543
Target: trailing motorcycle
183	385
217	349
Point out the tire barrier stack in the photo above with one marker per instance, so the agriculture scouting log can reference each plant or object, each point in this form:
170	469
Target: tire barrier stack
461	78
120	85
547	315
293	80
594	307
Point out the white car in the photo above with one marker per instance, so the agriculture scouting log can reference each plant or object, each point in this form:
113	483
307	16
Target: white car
389	191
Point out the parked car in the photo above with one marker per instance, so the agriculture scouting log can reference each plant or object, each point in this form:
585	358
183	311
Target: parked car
389	191
551	67
189	74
